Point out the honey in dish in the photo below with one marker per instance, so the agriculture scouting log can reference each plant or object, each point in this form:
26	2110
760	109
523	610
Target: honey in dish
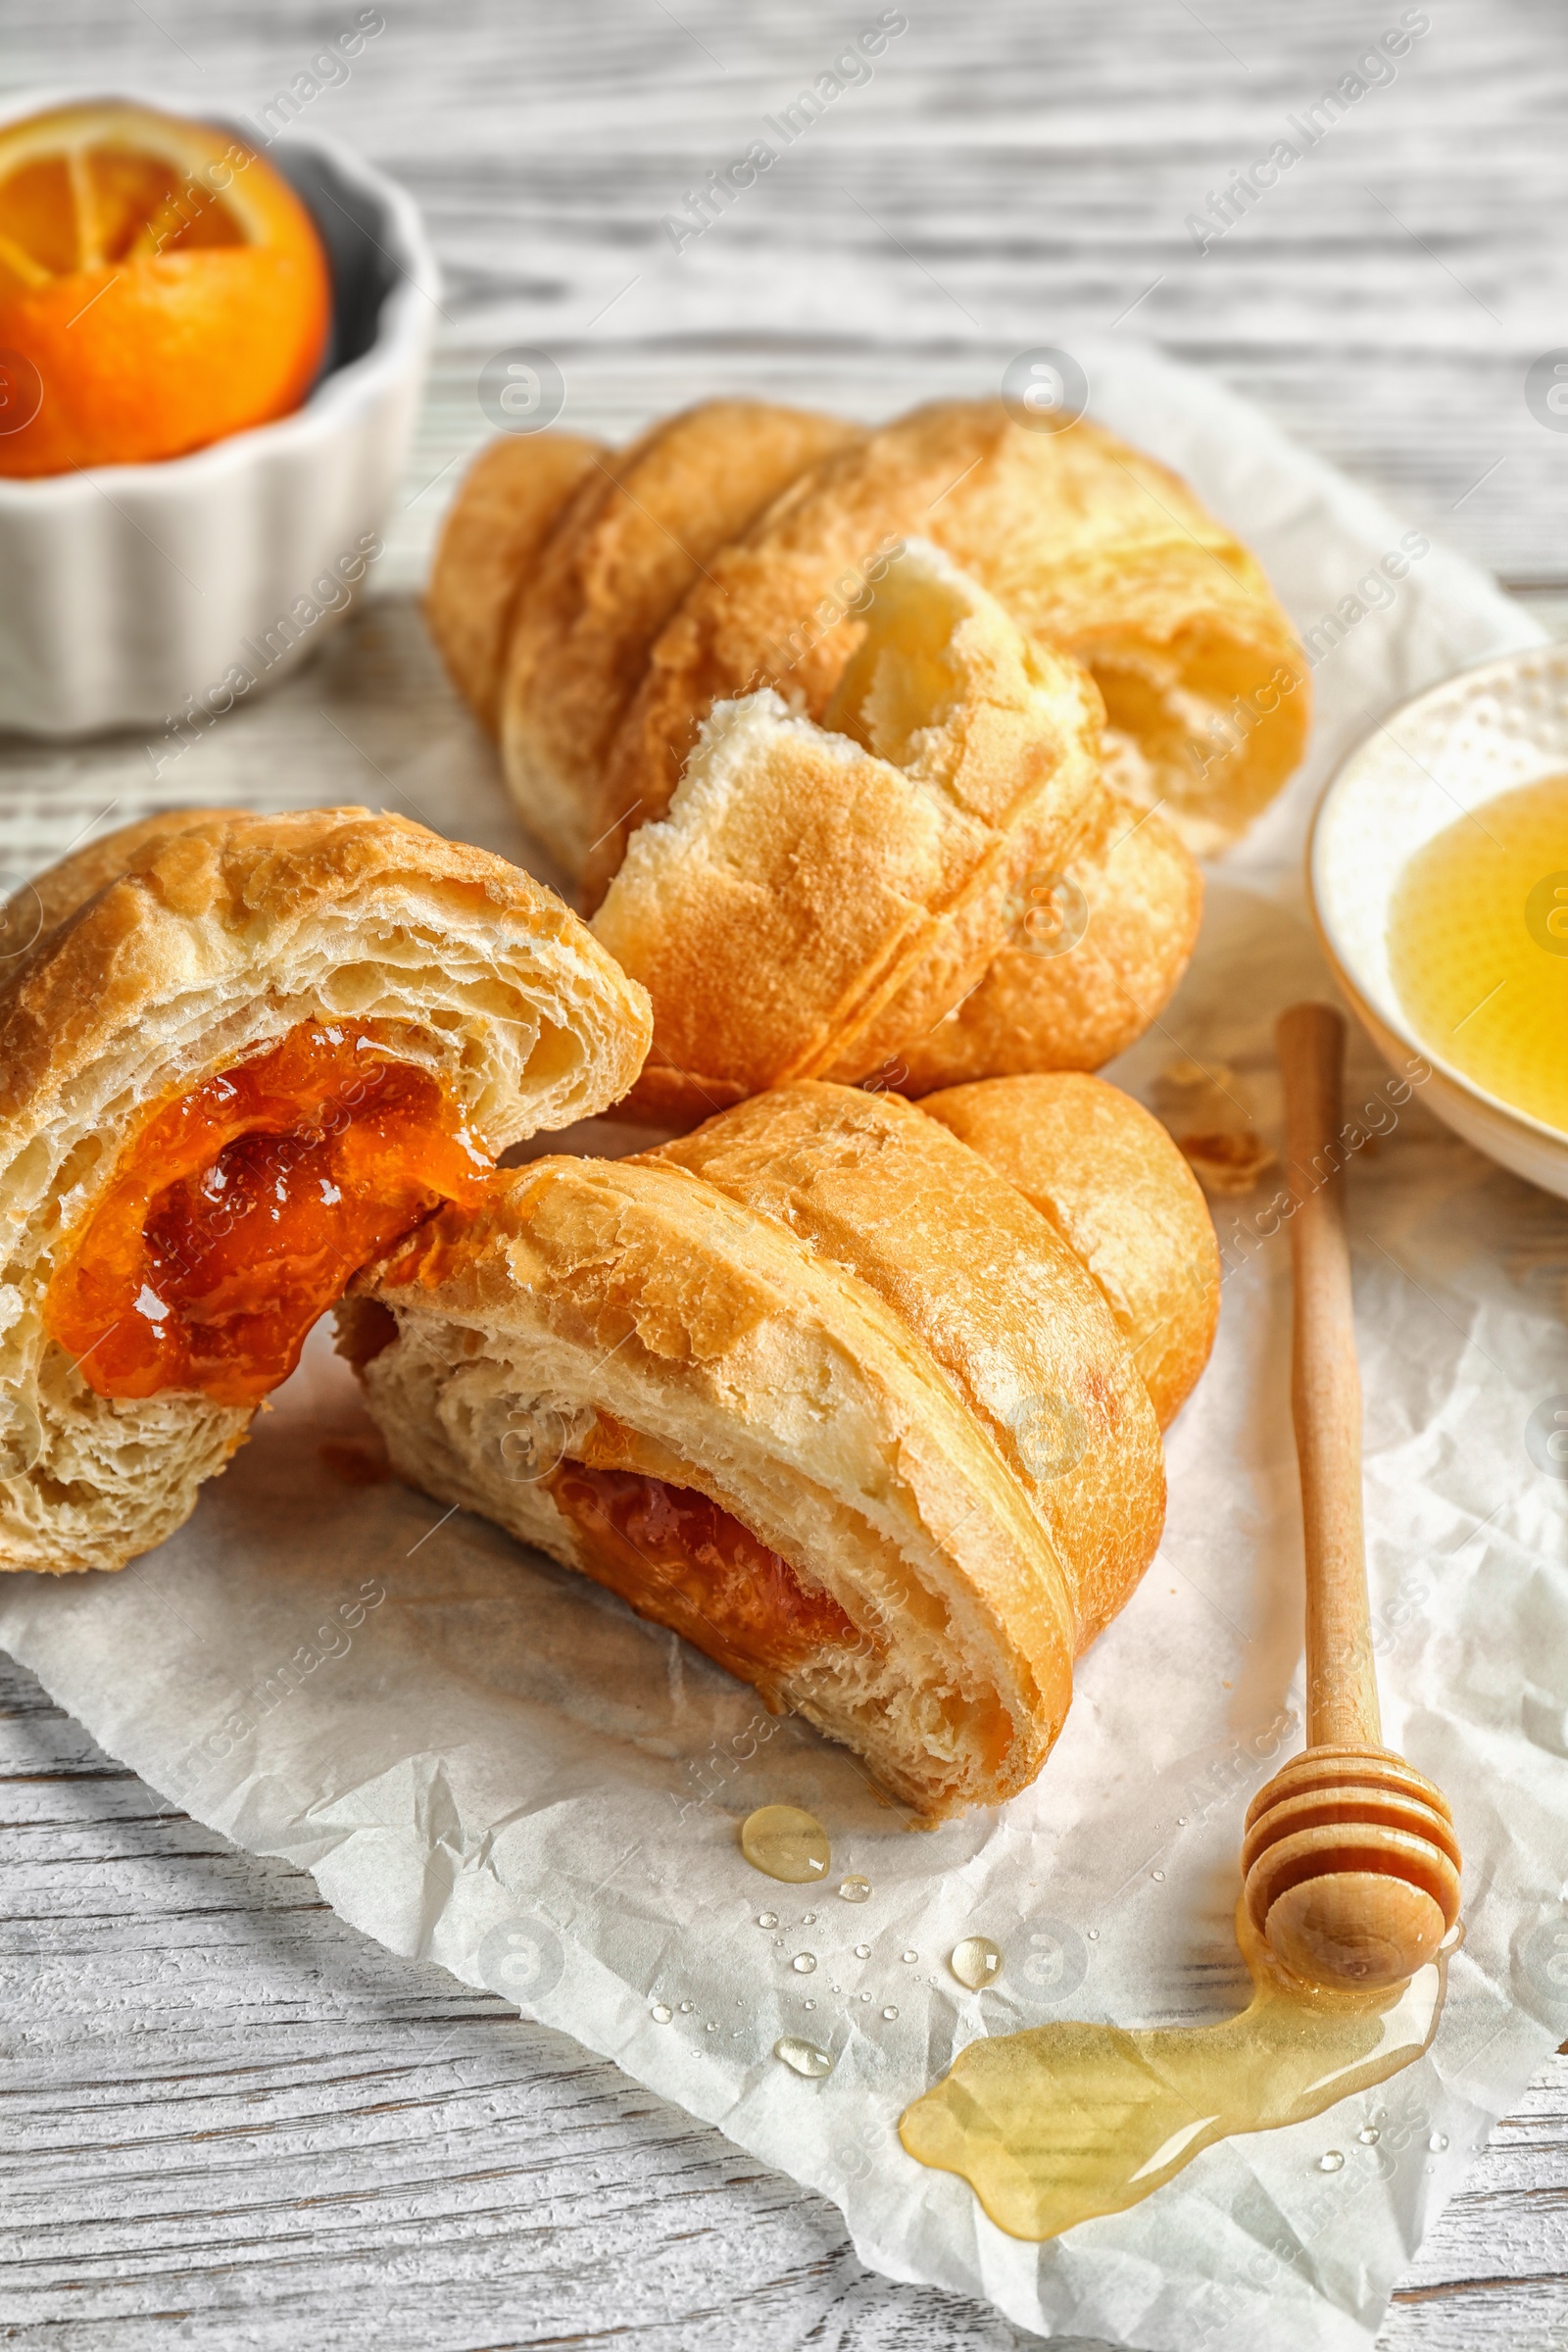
238	1210
1478	947
1064	2122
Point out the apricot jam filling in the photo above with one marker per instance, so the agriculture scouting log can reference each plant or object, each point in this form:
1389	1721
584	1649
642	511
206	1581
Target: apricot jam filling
679	1559
237	1212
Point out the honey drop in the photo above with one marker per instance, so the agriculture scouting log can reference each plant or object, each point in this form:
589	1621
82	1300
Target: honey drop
975	1962
784	1842
803	2057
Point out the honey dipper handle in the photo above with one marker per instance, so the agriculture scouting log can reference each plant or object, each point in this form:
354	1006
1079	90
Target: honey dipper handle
1326	1388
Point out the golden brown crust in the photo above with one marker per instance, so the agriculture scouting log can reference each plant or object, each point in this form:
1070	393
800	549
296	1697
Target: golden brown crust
1112	1182
812	898
992	1289
185	944
755	1370
778	608
1099	549
62	889
1049	1000
193	898
637	534
828	1313
1090	545
507	505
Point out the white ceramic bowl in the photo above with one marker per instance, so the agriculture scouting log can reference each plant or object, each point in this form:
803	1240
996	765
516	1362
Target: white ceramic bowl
1450	749
129	593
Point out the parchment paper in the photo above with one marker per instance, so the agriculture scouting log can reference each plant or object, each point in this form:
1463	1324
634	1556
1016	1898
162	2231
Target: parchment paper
486	1761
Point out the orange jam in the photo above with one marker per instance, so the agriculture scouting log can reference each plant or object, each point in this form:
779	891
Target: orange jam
237	1212
679	1559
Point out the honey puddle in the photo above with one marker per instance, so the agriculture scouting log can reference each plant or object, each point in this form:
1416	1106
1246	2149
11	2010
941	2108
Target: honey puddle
1478	945
1063	2122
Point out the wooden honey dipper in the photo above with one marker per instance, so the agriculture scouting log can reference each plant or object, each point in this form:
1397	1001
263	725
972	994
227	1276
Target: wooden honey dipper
1350	1862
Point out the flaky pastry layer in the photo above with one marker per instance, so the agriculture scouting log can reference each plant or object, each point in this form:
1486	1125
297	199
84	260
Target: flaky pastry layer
190	945
827	1314
818	895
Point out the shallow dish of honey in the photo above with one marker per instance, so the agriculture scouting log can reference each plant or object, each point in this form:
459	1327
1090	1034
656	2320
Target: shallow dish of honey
1438	870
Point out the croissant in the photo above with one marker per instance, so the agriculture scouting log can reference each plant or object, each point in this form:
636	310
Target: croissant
512	498
818	1387
663	602
816	896
630	542
240	1057
1090	545
1094	954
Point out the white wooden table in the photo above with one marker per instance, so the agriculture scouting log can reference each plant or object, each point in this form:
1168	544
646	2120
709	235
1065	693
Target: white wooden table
228	2119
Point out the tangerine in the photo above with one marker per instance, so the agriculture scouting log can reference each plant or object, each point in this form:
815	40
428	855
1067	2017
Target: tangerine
161	286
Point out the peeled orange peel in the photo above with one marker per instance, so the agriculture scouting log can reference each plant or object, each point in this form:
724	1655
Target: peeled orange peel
161	286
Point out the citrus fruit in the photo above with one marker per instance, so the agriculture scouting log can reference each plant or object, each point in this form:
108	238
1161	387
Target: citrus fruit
159	287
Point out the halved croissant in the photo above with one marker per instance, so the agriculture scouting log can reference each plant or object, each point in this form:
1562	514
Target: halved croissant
241	1055
815	896
817	1388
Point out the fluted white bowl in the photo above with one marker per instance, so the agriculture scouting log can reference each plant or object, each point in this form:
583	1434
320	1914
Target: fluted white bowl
1453	748
132	593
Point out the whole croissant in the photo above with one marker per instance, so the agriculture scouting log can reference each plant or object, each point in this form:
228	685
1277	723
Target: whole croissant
864	1402
1095	651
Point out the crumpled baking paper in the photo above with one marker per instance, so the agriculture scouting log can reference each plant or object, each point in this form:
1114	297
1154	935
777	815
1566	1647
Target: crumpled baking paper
488	1762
